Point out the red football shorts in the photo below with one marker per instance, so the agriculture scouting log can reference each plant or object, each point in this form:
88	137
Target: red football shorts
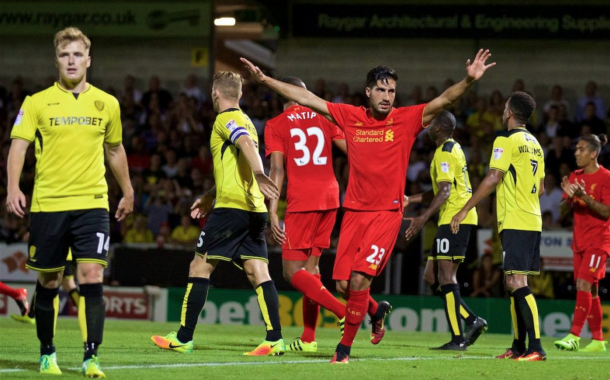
590	265
366	242
306	230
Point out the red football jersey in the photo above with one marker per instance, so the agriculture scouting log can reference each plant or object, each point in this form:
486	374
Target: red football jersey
590	229
305	138
378	154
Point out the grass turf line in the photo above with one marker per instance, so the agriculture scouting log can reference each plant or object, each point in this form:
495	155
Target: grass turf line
128	353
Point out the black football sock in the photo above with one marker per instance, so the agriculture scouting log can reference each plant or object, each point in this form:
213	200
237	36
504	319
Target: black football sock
91	316
46	310
194	300
270	304
526	303
451	294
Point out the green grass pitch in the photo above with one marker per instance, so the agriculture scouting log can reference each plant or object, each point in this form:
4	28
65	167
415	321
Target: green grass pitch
128	353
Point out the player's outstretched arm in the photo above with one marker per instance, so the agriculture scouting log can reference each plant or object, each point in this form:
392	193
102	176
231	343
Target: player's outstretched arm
15	200
474	72
276	173
489	183
417	223
294	93
250	152
117	159
202	206
603	210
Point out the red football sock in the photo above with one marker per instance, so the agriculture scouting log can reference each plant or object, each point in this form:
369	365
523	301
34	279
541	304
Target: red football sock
355	312
372	307
312	287
311	310
595	319
581	311
11	292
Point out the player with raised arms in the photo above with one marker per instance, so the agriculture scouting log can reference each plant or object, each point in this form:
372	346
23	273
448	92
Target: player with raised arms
379	141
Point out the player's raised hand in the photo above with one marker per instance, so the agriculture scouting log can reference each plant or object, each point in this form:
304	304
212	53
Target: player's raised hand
477	67
267	186
256	73
566	186
202	206
15	203
578	189
279	235
125	208
456	220
416	225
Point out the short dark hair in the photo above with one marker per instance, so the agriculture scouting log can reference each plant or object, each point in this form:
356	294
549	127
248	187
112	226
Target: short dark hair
594	142
522	105
382	73
446	121
293	81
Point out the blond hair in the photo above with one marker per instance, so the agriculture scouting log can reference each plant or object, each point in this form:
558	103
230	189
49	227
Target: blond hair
228	83
71	34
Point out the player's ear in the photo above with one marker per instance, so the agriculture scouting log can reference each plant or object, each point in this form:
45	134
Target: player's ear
368	92
88	61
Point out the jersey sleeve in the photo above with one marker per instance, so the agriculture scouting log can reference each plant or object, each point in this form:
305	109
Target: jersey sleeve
273	140
501	154
334	132
340	113
445	167
414	118
26	123
231	128
114	129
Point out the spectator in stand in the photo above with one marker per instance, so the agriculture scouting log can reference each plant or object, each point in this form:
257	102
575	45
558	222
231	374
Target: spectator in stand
551	127
483	120
568	128
171	164
163	237
153	174
497	103
163	96
551	198
159	209
185	234
556	100
203	161
559	153
192	90
183	174
138	159
486	279
591	95
592	119
130	92
342	94
139	233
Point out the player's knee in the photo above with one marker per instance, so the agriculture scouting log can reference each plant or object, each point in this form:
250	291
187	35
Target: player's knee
288	273
50	280
583	285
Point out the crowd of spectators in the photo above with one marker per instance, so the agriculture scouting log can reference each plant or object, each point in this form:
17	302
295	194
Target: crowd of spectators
166	136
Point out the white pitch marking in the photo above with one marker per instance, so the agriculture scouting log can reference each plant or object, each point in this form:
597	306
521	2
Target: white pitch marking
313	361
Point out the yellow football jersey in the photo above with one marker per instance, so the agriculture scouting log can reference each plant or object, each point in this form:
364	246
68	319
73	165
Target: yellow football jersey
449	165
519	155
69	134
236	186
